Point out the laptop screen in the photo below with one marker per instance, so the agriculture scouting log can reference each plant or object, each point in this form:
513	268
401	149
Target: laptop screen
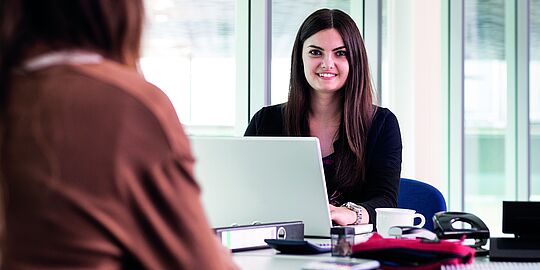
262	179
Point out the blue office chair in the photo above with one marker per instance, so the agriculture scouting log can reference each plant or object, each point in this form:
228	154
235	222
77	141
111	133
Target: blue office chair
422	197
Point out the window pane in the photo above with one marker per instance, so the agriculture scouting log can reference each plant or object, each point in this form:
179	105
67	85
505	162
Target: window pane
189	52
287	16
485	111
534	100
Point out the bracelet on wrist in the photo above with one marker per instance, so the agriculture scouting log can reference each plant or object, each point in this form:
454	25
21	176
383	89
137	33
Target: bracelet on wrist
355	208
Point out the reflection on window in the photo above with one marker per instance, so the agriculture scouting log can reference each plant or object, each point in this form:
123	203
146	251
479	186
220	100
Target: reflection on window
189	52
485	111
534	97
287	16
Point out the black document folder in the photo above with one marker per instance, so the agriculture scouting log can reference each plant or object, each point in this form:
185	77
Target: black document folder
514	249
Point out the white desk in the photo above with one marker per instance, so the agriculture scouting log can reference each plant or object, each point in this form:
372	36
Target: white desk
269	259
283	262
266	259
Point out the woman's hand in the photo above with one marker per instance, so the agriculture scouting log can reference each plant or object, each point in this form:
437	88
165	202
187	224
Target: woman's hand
342	216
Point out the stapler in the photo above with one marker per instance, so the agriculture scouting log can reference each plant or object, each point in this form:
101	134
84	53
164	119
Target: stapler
443	225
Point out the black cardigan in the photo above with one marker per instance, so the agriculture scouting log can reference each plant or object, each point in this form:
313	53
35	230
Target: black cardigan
383	158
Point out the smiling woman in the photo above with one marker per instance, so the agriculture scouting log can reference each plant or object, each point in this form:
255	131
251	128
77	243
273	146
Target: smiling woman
325	61
287	16
330	97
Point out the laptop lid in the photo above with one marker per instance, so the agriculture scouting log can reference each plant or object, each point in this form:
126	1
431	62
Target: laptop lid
262	179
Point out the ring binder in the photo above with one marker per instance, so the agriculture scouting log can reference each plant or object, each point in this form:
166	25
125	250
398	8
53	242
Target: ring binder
249	237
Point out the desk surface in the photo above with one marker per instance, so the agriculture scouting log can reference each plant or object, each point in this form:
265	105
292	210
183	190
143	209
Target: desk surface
269	259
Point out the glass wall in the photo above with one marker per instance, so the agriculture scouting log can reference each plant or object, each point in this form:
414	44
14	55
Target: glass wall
189	52
287	16
485	97
534	97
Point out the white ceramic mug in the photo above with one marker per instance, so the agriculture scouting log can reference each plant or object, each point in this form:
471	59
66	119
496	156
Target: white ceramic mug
389	217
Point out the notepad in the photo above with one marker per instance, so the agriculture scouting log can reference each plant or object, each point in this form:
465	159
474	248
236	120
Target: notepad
494	266
342	264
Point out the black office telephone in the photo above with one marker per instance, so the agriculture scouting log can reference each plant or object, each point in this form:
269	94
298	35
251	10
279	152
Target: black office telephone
444	229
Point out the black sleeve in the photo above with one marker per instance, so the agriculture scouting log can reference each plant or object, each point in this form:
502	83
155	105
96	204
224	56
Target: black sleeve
384	167
268	121
252	129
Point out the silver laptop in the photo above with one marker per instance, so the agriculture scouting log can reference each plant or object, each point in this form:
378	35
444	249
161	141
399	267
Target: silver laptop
262	179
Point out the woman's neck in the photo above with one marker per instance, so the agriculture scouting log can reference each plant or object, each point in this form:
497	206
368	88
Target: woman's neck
324	120
326	109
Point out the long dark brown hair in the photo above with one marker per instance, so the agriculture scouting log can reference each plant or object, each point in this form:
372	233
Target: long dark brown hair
110	27
356	95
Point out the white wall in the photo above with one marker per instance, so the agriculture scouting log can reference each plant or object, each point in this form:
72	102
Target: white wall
412	86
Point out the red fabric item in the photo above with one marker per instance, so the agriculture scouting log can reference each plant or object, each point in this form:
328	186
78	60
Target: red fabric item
414	254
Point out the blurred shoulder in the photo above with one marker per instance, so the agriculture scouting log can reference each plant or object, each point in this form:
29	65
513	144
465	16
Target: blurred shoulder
125	79
150	100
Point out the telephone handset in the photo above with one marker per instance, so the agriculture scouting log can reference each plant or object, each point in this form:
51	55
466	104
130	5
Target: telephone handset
444	228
